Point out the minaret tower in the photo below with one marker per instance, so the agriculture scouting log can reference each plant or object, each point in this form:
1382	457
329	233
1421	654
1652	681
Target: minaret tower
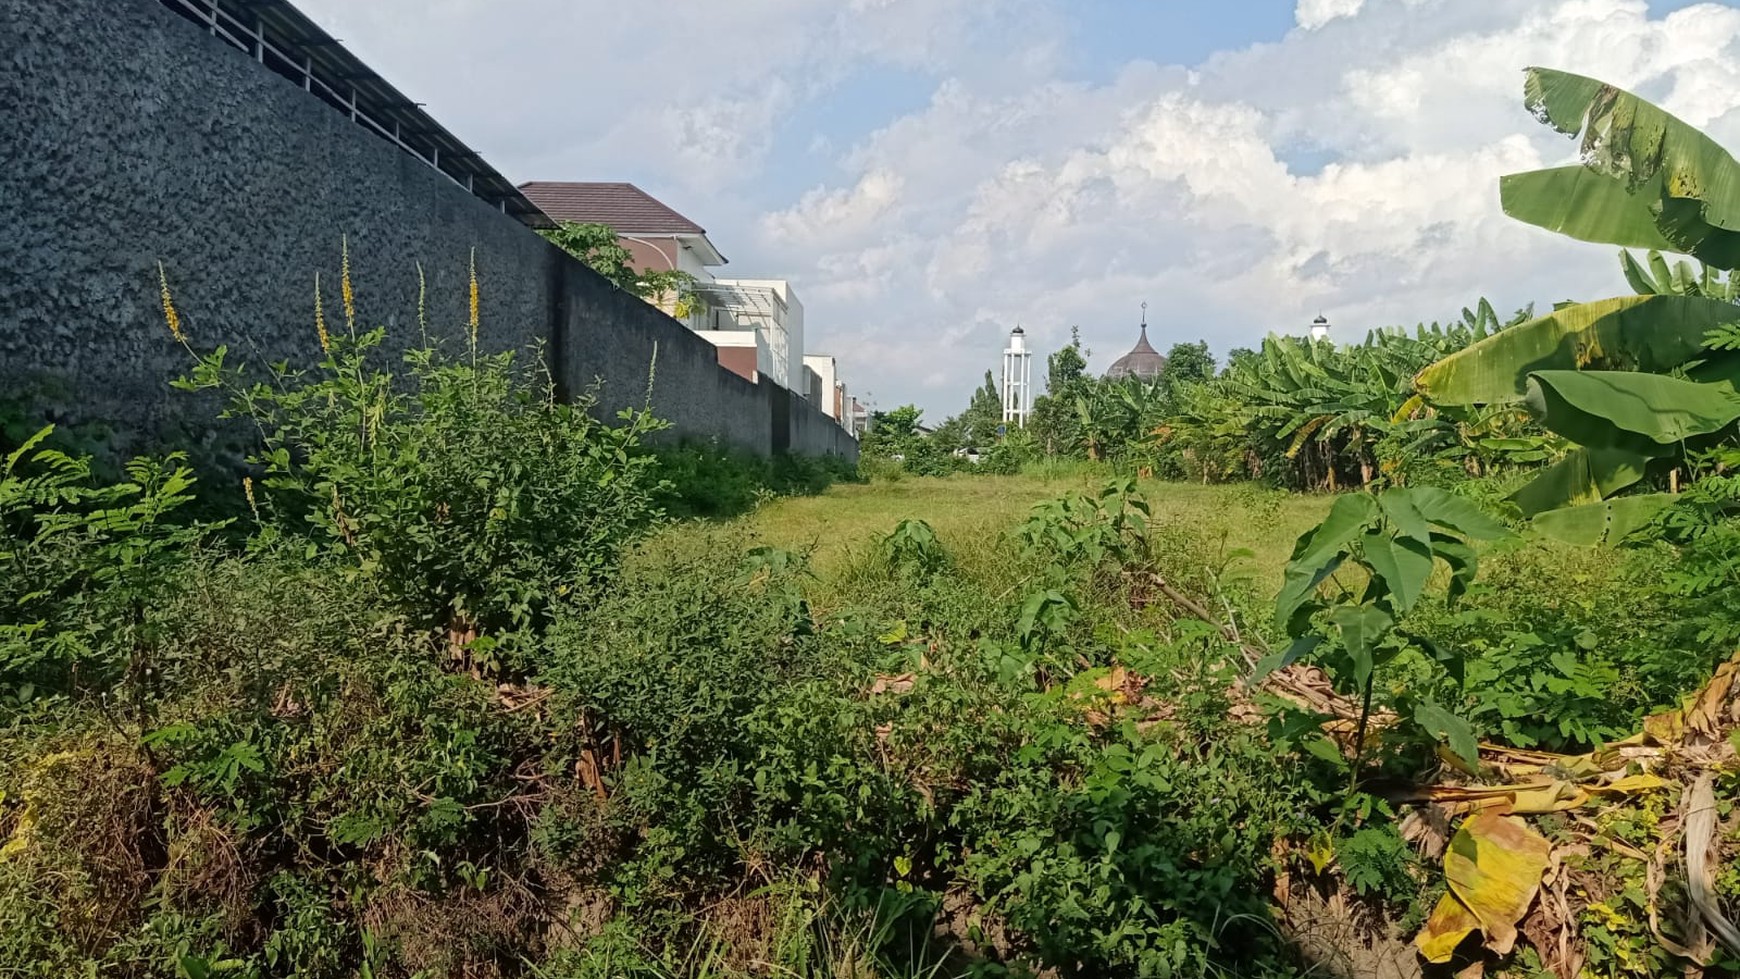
1017	380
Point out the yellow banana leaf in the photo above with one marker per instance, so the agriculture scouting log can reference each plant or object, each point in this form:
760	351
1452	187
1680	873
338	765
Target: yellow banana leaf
1494	866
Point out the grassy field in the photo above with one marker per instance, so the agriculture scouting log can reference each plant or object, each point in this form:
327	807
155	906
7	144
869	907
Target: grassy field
846	519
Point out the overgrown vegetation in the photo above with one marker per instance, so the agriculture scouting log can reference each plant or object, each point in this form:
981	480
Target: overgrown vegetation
451	694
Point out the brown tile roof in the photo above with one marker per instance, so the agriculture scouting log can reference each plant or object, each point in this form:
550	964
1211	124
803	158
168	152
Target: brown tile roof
624	208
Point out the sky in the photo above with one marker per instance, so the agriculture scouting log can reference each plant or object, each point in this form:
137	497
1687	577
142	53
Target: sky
929	174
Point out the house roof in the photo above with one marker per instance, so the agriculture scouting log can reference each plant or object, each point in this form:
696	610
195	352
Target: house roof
623	207
1143	361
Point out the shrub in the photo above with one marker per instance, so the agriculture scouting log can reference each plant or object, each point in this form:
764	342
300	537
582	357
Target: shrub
708	481
695	646
83	569
463	491
1549	664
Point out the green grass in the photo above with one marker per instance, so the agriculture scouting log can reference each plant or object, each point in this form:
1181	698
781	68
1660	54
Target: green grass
847	518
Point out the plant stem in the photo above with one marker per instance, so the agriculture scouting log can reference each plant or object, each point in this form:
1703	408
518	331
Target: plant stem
1359	734
1358	753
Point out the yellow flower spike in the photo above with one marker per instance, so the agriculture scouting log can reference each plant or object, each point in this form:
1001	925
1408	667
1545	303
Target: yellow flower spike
320	317
344	288
170	315
473	279
422	308
248	491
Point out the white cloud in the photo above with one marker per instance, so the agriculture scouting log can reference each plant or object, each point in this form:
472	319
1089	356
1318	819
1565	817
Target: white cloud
836	213
1312	14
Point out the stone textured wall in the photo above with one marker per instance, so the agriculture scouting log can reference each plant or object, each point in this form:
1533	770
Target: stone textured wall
130	139
814	433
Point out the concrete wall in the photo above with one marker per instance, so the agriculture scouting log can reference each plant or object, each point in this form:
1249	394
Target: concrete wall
132	138
814	433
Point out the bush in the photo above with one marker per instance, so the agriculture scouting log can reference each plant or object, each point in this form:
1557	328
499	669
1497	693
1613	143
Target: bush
84	568
1548	663
463	491
696	646
710	482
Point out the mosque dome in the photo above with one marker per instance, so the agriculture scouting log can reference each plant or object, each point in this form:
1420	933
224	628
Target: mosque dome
1143	362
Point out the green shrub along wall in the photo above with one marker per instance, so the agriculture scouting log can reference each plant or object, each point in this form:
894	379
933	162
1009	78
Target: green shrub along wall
133	138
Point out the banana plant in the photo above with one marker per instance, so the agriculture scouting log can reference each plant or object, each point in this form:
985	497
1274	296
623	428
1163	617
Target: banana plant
1632	381
1114	415
1655	277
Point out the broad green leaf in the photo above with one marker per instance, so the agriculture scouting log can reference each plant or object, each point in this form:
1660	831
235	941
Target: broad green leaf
1640	281
1298	649
1324	749
1583	476
1646	414
1347	518
1642	333
1454	513
1451	658
1294	602
1398	505
1455	730
1658	268
1319	552
1463	562
1403	564
1577	202
1690	183
1609	522
1362	628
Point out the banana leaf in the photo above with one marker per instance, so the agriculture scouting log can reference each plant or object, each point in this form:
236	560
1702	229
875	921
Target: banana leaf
1659	167
1577	202
1646	414
1643	333
1608	522
1584	476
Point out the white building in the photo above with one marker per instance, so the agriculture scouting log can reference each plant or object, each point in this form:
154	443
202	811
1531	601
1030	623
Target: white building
769	307
833	400
659	239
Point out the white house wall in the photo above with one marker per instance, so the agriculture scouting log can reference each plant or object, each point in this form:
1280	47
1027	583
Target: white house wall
828	370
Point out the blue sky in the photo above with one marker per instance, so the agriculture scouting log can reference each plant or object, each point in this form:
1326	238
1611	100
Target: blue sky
1110	33
928	173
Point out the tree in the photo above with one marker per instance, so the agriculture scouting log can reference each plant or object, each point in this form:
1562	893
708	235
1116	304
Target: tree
1067	366
892	432
1187	362
1055	422
984	415
598	246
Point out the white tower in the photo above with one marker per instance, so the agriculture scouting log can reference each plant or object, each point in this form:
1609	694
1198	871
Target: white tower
1320	328
1017	380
